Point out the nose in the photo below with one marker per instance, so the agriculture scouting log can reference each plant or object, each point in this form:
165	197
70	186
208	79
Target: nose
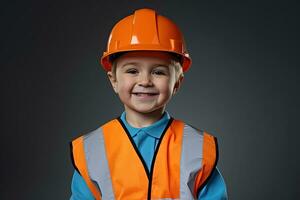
145	80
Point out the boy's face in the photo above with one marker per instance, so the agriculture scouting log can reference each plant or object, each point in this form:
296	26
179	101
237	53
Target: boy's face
145	81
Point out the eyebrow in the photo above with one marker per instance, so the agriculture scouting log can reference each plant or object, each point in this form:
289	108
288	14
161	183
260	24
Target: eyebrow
129	63
164	65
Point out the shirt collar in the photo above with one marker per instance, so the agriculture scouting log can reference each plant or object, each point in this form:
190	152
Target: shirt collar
154	130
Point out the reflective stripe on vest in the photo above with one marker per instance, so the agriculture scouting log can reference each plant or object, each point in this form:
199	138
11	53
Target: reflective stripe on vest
110	163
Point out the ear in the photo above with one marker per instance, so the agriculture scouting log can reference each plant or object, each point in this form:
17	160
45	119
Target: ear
178	84
113	80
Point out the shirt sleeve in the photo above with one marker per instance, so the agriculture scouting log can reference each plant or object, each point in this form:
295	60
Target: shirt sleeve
215	189
79	188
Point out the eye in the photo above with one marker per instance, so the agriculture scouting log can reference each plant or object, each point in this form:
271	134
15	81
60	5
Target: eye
160	72
131	71
157	72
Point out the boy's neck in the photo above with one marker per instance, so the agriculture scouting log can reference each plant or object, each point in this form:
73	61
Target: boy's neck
139	120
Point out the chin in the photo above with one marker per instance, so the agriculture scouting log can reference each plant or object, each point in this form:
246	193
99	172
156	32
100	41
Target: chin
147	110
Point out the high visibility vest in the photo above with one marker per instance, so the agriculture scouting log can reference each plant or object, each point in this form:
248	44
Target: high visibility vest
112	167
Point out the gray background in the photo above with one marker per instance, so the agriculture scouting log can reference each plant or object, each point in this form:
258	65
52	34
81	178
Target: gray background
243	87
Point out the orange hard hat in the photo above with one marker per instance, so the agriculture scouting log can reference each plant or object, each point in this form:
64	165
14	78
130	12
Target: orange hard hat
145	30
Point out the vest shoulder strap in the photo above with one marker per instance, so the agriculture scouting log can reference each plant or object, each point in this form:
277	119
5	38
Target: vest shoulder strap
79	162
209	161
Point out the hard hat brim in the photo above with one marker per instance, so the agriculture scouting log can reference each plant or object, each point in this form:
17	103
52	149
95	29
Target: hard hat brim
106	60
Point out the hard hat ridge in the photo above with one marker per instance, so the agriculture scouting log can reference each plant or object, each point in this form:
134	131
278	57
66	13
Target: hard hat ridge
144	21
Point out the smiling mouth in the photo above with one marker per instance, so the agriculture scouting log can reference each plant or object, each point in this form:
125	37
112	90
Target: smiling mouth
144	94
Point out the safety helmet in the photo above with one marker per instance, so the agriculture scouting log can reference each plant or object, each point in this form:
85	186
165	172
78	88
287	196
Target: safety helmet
145	30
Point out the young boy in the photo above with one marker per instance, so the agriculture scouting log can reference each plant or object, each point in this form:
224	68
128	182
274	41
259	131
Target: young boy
145	153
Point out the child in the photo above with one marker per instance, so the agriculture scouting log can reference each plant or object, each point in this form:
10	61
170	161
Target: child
145	153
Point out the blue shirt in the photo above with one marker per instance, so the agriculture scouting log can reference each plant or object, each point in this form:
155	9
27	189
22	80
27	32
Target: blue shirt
146	140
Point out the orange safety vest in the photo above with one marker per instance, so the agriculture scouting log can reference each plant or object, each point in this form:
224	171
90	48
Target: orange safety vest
111	165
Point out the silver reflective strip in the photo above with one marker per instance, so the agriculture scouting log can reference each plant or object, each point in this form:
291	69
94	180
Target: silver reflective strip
191	160
97	163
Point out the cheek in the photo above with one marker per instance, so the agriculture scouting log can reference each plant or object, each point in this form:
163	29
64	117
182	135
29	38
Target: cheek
166	87
124	86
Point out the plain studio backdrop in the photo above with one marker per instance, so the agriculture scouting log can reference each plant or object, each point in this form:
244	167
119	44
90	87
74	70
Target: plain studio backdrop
243	87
